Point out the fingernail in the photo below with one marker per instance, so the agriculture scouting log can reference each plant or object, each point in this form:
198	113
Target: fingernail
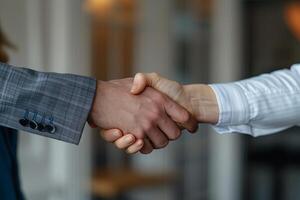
117	133
128	138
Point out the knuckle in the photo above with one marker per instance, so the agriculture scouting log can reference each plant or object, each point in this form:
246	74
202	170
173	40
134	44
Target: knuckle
152	115
147	126
154	75
155	114
185	117
139	133
151	102
177	86
159	98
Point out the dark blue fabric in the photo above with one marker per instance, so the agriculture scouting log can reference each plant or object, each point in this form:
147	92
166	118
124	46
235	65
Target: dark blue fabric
9	176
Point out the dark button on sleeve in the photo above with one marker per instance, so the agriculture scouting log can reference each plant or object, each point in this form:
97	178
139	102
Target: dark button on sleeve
41	127
50	128
33	124
24	122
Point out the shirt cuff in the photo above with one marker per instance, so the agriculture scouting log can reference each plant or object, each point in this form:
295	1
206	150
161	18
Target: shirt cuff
233	104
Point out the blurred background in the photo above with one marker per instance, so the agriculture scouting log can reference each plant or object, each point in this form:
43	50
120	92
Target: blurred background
191	41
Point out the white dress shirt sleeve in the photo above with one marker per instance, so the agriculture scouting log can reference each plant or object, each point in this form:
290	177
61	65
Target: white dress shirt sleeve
260	105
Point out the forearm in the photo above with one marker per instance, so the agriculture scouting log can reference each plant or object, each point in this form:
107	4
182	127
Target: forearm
203	102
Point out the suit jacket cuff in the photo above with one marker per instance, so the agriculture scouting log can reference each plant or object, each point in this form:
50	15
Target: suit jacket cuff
62	101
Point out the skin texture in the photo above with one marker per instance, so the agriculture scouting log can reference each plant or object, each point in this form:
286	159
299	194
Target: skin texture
151	116
198	99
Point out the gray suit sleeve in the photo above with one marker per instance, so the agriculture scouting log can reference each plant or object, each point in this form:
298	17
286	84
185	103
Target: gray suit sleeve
48	104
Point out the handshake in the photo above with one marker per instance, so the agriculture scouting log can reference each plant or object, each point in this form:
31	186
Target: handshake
146	112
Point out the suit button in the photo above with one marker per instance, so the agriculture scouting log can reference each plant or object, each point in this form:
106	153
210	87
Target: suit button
53	129
41	127
33	124
50	128
24	122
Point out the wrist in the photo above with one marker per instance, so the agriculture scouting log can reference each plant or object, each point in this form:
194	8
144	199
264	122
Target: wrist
203	102
94	108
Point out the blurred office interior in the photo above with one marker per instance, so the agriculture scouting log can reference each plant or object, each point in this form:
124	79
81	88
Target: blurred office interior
191	41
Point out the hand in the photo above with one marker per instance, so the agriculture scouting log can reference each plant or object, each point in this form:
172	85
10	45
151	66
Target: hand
170	88
150	114
199	99
126	142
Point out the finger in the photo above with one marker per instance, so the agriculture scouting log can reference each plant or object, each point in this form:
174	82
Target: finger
157	137
166	86
169	127
191	124
141	81
147	148
135	147
111	135
181	116
125	141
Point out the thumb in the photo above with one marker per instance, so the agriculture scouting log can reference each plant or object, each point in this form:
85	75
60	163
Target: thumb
168	87
141	81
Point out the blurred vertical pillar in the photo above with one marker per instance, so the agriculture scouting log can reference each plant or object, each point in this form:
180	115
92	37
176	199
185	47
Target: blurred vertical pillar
226	59
68	51
154	52
154	40
50	36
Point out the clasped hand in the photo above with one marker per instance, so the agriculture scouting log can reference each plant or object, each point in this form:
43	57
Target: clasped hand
139	118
